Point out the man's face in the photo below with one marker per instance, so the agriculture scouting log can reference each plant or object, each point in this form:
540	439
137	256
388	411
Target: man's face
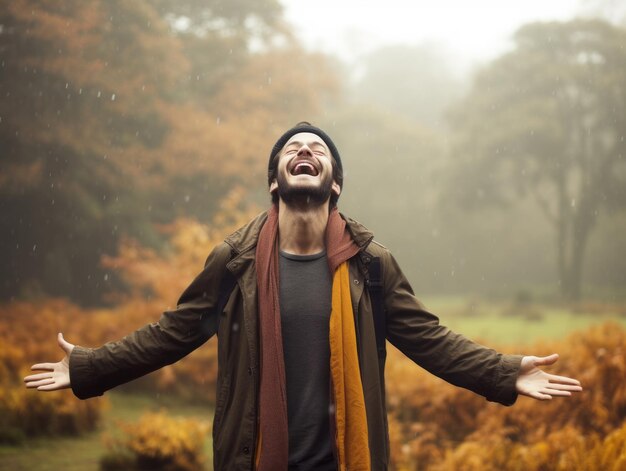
305	171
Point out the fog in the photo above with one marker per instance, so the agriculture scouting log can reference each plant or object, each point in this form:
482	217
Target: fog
483	143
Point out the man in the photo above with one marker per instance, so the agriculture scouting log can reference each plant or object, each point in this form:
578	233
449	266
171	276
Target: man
300	379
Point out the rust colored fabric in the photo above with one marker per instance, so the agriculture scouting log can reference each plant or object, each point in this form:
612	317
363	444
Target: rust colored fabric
273	450
351	440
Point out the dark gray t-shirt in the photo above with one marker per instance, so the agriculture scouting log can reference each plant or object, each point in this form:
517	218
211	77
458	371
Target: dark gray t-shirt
305	304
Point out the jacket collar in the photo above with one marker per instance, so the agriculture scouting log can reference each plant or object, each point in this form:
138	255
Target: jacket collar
244	240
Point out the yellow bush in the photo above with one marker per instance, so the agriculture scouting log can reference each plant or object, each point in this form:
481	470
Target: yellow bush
439	427
158	442
27	413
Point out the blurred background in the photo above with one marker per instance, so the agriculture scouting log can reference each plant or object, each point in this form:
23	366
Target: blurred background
483	143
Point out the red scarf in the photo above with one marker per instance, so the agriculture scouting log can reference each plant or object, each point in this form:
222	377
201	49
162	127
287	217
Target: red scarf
273	443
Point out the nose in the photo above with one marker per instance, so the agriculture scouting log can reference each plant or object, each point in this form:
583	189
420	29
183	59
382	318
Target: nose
304	151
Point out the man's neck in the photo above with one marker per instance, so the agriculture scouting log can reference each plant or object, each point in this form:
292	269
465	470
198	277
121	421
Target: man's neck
301	229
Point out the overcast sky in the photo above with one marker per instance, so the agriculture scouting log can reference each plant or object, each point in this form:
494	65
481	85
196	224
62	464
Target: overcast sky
472	31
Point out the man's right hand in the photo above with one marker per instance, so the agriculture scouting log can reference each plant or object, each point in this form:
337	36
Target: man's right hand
57	375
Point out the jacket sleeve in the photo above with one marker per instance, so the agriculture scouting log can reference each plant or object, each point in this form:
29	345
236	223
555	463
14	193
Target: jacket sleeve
419	335
177	333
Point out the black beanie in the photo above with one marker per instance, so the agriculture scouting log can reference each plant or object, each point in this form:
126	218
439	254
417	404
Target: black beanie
298	128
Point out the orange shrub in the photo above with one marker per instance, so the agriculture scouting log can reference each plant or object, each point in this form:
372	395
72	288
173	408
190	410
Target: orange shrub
25	413
28	329
440	427
158	441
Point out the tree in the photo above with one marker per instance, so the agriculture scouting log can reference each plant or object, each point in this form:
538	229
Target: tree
548	120
116	116
81	84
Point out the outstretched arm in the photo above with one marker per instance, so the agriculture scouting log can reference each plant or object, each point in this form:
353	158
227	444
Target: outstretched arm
536	383
57	375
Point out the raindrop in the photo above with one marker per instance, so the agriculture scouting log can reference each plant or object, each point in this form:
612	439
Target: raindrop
573	203
106	277
34	247
187	198
113	97
218	120
80	91
67	85
99	93
269	80
235	327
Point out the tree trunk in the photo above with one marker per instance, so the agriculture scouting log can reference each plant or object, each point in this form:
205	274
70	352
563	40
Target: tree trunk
582	224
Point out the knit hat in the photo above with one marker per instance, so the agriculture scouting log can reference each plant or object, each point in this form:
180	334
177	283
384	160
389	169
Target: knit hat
298	128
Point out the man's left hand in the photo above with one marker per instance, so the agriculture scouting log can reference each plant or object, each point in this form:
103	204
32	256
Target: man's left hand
536	383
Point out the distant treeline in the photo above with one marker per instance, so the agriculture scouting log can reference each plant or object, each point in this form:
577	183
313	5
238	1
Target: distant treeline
117	119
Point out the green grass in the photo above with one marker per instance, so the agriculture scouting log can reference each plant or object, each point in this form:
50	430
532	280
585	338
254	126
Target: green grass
83	453
504	323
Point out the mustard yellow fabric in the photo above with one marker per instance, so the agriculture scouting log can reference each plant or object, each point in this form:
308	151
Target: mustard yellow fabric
351	421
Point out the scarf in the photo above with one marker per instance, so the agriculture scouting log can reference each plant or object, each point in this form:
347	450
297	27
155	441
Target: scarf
351	439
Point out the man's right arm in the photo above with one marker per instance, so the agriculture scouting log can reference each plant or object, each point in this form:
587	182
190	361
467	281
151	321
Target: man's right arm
176	334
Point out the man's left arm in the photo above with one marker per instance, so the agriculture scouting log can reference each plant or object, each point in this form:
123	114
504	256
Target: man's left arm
458	360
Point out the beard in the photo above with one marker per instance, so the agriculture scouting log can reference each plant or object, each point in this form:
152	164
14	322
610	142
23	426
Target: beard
293	194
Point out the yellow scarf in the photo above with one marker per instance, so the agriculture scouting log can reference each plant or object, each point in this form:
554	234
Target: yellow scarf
351	421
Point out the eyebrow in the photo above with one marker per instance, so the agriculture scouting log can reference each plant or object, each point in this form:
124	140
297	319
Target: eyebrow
310	144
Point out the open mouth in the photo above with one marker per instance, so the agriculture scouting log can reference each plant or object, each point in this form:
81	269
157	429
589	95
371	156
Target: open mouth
304	168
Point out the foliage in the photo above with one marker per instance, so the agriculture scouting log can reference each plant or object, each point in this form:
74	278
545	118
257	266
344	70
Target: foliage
437	427
28	329
157	442
25	414
114	118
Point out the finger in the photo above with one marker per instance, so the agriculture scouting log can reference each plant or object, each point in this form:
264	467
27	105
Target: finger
50	387
64	344
563	380
565	387
43	382
549	360
540	396
43	366
38	377
556	392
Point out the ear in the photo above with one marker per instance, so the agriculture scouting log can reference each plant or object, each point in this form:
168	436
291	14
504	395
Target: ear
336	188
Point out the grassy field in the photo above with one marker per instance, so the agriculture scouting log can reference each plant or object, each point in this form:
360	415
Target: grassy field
494	323
507	323
83	453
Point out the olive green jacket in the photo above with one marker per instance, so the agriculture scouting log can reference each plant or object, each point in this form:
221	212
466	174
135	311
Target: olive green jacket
413	330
